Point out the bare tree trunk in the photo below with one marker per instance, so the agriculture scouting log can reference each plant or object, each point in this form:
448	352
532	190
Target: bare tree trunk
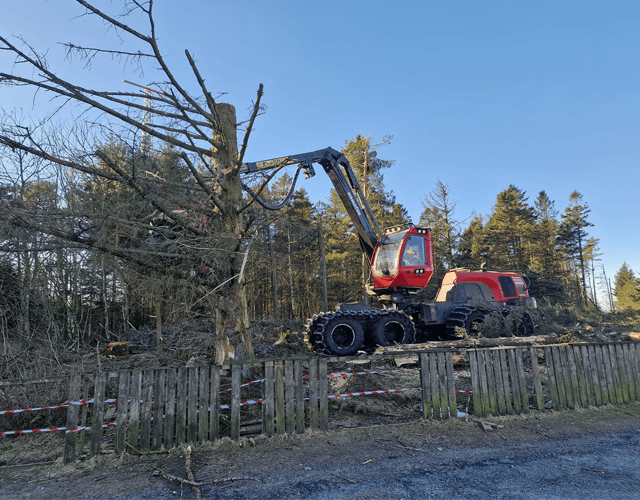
233	302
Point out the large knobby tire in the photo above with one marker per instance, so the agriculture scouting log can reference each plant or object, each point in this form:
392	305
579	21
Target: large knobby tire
343	336
520	323
473	323
394	329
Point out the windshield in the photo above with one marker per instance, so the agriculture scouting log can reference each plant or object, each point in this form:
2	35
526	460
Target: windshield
386	261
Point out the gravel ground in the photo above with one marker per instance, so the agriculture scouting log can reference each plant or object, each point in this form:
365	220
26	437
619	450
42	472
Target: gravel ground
586	454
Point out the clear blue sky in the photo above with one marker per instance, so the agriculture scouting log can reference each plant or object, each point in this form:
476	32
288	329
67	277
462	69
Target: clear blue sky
543	95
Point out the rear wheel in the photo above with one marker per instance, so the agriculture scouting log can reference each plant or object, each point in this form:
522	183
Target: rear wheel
343	336
520	323
465	320
393	329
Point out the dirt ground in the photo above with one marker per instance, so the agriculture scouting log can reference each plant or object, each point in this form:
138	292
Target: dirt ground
255	458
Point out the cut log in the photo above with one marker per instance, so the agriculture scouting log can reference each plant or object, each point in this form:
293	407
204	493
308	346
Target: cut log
470	343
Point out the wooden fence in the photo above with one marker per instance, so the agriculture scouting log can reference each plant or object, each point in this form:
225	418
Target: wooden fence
161	408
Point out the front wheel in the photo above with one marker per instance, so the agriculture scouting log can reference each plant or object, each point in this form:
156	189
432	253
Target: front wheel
394	329
343	336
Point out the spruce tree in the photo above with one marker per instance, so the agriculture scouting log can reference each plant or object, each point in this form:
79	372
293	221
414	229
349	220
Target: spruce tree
573	238
627	288
509	230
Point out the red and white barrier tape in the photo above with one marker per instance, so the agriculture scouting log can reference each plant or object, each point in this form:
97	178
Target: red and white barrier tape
23	410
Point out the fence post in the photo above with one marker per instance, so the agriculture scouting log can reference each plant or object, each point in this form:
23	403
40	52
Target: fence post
75	388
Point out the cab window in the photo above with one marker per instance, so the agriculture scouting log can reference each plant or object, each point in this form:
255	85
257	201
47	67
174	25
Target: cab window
414	251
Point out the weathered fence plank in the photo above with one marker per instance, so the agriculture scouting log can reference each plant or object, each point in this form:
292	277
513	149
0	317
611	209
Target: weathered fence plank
98	414
451	384
236	371
594	374
442	386
515	380
170	409
425	381
478	408
602	374
75	391
628	363
507	387
522	382
214	403
145	409
565	375
192	405
81	439
279	390
268	408
122	416
537	381
135	390
181	405
573	374
313	393
299	395
584	375
484	384
612	376
203	404
435	385
289	397
553	385
323	390
492	384
622	373
157	408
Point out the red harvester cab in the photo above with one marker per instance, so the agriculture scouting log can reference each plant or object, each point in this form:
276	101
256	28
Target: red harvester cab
402	260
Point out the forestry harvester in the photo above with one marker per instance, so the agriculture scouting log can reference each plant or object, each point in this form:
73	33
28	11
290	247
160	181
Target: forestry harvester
402	263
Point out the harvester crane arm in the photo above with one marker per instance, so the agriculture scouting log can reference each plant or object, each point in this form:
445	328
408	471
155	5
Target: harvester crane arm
339	170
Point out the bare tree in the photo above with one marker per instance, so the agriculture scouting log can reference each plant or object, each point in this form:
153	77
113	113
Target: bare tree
204	215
